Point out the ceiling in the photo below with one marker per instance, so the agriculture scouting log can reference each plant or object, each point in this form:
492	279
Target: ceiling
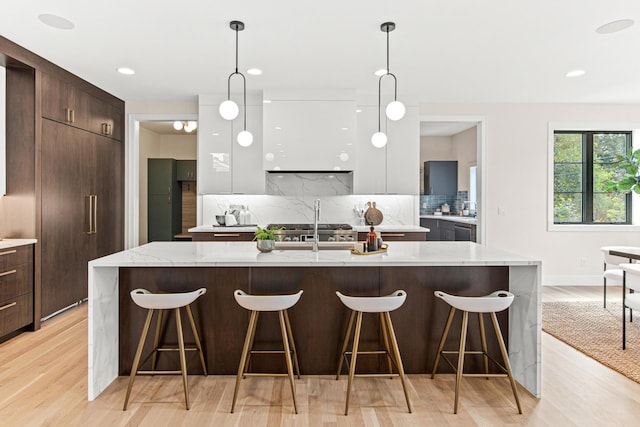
441	51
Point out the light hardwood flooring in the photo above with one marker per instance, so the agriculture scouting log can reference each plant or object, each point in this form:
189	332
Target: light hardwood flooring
43	381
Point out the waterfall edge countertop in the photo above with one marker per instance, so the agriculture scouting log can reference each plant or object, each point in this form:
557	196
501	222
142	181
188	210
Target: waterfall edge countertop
418	267
245	254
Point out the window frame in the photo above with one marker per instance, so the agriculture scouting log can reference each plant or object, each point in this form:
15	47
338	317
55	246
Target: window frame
633	217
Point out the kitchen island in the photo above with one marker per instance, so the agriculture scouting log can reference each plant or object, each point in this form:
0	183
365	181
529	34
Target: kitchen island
319	319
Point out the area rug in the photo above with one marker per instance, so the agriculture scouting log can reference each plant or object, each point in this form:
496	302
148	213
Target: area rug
596	332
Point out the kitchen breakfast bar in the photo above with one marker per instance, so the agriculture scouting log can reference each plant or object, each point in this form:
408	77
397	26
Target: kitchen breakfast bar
319	319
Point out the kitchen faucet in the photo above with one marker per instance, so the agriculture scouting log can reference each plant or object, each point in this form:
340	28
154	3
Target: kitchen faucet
316	218
475	207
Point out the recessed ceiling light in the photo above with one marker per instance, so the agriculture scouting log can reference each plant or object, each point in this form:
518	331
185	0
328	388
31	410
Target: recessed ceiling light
215	134
381	72
266	101
126	71
277	128
254	71
344	128
358	111
614	26
575	73
56	21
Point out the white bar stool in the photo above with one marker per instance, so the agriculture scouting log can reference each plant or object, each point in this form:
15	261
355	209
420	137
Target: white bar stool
631	281
256	304
612	273
382	305
492	303
161	302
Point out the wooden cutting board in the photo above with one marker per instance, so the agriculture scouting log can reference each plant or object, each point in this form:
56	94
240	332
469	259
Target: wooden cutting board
373	215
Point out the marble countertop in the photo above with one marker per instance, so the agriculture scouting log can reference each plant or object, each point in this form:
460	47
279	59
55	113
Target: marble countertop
12	243
391	228
463	219
245	254
236	228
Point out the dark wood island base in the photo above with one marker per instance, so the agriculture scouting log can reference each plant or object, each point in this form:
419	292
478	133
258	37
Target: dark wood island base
318	320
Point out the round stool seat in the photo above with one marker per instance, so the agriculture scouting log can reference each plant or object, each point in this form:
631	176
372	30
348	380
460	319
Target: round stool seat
492	303
151	301
374	304
266	302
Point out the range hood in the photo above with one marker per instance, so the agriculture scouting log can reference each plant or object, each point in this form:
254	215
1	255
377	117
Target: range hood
309	131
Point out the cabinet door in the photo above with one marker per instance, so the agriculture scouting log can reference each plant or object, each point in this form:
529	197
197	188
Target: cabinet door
441	177
370	174
160	218
161	176
186	170
104	119
433	225
214	151
109	193
447	231
64	103
403	154
247	165
66	243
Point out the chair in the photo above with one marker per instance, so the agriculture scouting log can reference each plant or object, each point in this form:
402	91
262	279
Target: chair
381	305
492	303
612	272
160	302
261	303
631	281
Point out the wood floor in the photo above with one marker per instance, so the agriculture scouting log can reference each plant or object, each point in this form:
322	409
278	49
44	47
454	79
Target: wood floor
43	382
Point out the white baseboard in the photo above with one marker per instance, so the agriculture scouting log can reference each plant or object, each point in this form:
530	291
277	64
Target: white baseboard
572	280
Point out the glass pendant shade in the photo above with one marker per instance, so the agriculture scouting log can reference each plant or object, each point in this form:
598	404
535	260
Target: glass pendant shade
229	110
177	125
379	139
245	138
395	110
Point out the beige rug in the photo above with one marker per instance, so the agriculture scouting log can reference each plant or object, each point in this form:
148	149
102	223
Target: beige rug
596	332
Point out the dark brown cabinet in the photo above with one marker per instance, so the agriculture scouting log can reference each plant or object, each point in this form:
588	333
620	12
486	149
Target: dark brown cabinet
222	236
16	289
448	230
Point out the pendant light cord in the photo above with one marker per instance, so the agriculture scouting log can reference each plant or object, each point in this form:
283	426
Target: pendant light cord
244	82
388	73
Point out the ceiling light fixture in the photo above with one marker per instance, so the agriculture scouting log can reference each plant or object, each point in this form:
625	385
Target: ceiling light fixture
229	109
614	26
188	126
395	109
56	21
126	71
254	71
575	73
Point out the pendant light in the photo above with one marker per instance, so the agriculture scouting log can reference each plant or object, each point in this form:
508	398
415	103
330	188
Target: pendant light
229	109
395	109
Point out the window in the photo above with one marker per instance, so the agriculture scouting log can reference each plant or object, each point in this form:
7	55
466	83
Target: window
583	162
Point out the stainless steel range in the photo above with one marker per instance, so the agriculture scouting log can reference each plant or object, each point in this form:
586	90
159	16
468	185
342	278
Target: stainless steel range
326	232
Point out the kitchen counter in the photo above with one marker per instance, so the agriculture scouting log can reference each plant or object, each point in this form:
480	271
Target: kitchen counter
234	228
12	243
391	228
454	218
418	267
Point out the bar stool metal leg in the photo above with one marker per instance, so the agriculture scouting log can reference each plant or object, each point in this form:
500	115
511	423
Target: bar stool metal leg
483	341
354	356
445	332
463	340
136	359
345	343
197	339
287	356
245	351
505	358
396	351
292	343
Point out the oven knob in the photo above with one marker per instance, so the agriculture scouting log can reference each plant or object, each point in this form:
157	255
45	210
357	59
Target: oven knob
351	239
331	239
296	238
342	238
287	239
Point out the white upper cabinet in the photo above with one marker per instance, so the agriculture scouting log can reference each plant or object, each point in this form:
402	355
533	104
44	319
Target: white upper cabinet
248	175
394	168
304	132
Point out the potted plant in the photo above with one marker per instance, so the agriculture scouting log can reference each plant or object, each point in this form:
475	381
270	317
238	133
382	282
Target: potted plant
266	238
630	180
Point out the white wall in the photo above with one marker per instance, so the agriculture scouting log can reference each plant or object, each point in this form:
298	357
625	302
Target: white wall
516	174
464	148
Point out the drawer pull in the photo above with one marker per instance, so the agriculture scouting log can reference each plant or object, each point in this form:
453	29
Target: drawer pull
8	252
392	234
6	273
226	235
4	307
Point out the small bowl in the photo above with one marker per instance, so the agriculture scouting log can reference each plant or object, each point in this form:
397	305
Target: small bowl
220	219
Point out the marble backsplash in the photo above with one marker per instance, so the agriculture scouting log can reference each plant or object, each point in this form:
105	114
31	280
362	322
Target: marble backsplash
268	209
315	184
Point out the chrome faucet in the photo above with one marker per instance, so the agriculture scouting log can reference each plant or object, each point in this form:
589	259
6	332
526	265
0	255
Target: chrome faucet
474	211
316	218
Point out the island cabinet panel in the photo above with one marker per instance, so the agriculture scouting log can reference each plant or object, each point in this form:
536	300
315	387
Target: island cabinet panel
397	236
319	320
222	236
16	290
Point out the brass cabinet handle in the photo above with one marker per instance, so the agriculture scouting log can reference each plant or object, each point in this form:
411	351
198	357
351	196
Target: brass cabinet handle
6	273
90	215
226	235
95	214
4	307
8	252
67	115
392	234
72	116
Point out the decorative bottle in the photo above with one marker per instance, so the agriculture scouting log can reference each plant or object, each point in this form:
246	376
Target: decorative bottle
372	240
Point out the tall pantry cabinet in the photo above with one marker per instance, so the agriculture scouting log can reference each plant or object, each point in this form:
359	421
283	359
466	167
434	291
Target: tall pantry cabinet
82	189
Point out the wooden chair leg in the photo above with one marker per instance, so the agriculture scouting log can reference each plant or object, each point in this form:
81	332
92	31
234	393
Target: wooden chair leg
292	343
345	343
136	359
156	340
396	351
197	339
463	340
445	332
483	341
354	357
505	358
385	339
183	359
245	350
287	356
252	339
